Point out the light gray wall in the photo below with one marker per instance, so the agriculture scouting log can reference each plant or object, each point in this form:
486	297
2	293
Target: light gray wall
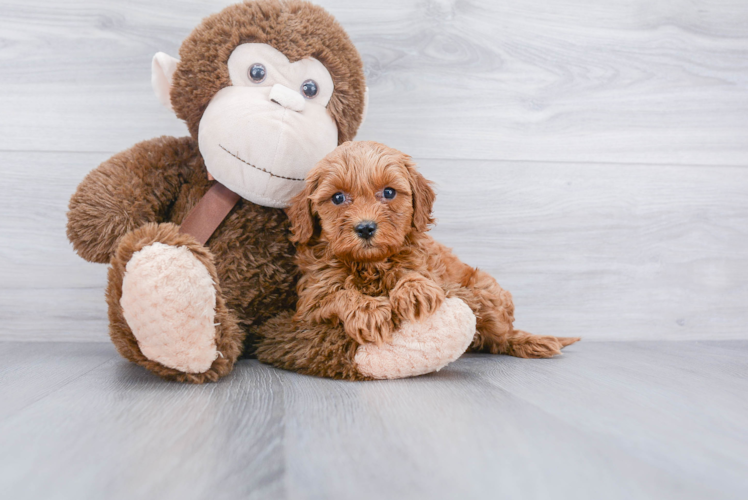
590	154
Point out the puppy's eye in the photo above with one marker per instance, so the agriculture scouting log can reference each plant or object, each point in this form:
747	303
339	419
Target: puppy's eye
309	89
338	198
389	193
257	73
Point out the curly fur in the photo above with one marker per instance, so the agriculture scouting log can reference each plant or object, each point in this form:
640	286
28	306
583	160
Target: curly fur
371	286
139	196
299	29
311	349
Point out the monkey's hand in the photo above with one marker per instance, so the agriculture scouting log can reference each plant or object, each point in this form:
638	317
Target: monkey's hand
418	348
416	297
368	319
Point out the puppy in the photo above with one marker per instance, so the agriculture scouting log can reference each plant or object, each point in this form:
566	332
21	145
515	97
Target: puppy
360	226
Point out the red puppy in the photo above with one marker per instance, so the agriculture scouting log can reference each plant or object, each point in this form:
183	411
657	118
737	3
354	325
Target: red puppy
367	261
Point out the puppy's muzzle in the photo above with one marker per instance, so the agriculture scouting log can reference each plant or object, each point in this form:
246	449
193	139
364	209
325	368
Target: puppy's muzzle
366	229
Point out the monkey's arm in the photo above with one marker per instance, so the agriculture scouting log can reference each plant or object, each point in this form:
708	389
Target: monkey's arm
326	350
128	190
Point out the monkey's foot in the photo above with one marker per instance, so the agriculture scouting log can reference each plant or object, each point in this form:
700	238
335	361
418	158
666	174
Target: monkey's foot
169	302
422	347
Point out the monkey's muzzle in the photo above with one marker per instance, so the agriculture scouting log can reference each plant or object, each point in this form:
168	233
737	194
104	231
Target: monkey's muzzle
293	100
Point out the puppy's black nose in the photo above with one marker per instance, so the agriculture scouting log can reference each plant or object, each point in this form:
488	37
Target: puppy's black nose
366	229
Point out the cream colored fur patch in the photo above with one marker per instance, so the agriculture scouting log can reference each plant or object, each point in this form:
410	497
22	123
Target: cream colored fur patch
419	348
169	302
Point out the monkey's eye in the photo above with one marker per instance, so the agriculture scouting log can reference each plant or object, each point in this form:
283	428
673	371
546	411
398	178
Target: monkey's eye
338	198
309	89
389	193
257	73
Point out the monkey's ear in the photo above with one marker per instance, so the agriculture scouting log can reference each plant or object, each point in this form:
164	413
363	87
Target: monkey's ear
366	107
423	197
303	222
163	67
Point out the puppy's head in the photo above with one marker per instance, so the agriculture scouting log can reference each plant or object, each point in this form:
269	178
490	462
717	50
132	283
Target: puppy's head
362	200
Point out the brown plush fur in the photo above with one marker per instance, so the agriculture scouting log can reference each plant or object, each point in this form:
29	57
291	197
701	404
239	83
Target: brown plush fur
321	350
401	273
138	196
229	336
296	28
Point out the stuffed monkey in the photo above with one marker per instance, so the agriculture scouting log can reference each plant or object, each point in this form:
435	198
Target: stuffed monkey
201	266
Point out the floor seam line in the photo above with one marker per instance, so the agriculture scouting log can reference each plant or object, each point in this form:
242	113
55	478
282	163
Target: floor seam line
32	403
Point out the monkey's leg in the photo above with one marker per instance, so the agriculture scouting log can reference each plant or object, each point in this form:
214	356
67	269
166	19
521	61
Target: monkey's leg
321	350
494	310
166	309
327	351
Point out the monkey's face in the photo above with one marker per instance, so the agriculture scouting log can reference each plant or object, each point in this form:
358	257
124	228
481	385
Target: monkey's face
255	87
261	135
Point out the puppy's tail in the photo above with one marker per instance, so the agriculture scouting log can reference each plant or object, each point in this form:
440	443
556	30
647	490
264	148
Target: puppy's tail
526	345
568	340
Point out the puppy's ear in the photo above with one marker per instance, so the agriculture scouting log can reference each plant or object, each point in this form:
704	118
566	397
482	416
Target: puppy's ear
303	222
423	196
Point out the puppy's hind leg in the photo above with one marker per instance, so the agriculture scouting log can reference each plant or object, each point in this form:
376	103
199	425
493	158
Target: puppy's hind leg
494	310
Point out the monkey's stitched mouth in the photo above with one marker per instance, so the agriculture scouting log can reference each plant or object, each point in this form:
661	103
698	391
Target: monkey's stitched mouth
260	168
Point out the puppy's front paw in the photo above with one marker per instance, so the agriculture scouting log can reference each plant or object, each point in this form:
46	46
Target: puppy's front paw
416	298
369	320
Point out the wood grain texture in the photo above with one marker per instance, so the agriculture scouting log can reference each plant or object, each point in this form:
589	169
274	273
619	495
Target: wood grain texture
651	248
645	420
603	251
555	80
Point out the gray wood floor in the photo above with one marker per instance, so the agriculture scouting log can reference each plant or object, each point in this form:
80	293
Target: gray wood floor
613	420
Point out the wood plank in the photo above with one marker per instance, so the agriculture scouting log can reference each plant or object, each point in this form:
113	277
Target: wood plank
636	82
643	394
619	420
454	435
30	372
603	251
56	314
34	249
120	432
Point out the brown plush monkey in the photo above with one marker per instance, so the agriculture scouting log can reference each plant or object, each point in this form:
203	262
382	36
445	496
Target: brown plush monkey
267	89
